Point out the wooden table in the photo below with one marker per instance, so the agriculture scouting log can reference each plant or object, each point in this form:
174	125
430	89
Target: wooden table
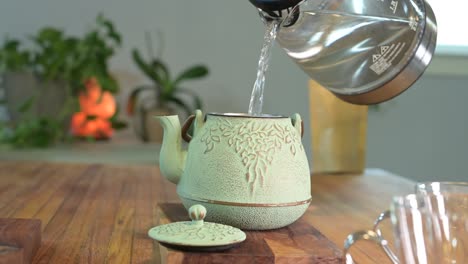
101	213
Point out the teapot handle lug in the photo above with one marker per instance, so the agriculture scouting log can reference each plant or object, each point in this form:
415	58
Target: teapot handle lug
298	124
198	117
185	128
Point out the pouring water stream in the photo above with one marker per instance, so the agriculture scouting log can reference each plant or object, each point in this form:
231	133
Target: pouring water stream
256	99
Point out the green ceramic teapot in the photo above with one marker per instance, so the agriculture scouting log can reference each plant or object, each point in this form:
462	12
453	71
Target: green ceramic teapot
250	172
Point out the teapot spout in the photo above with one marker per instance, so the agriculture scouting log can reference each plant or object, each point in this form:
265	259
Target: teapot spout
172	157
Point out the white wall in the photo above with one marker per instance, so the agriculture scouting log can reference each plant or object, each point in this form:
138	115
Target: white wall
421	134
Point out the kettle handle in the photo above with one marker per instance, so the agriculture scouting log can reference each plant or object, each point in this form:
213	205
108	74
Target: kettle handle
185	128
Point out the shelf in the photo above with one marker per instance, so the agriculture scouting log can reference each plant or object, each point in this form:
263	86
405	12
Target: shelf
123	148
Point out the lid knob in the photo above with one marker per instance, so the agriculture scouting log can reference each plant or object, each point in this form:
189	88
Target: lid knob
197	213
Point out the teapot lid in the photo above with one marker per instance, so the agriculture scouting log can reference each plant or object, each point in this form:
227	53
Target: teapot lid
197	234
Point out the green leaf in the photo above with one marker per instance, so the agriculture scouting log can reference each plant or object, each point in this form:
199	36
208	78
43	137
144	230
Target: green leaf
160	67
115	122
49	34
107	83
181	104
143	131
167	88
193	72
26	105
12	58
111	32
118	124
11	45
41	132
146	68
198	104
131	103
91	117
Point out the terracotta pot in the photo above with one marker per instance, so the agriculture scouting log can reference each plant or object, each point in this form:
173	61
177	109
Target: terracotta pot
339	131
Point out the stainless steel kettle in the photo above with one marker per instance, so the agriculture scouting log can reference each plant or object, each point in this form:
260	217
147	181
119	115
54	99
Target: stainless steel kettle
364	51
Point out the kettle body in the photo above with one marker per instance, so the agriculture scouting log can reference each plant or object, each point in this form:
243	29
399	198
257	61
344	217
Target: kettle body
364	51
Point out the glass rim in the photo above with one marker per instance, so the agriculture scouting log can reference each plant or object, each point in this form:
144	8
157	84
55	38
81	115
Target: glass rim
438	187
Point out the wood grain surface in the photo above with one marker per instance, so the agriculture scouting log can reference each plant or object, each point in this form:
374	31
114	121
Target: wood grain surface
101	214
22	234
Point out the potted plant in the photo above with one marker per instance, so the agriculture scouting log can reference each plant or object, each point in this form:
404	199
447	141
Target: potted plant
43	82
167	95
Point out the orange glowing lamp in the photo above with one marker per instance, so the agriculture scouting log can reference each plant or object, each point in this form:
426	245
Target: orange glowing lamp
97	107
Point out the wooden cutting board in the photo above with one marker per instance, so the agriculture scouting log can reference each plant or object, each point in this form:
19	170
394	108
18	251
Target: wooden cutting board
299	242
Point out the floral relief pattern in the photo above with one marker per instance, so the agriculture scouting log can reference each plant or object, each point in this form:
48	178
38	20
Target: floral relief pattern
256	143
208	232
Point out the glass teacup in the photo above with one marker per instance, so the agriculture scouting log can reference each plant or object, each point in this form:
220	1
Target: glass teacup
447	203
430	226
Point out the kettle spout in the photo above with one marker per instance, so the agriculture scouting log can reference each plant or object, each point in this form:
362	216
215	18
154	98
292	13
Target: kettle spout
172	157
279	10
